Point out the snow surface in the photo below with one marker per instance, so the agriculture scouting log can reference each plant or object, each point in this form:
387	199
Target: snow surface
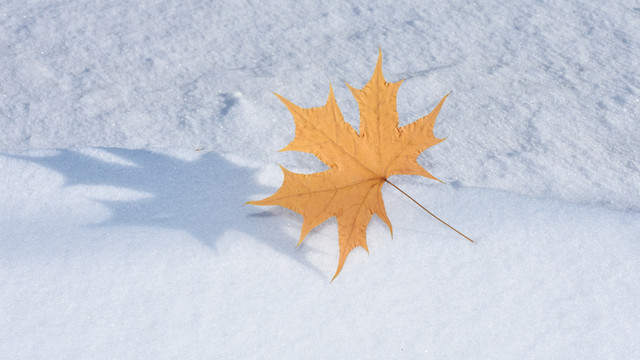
119	240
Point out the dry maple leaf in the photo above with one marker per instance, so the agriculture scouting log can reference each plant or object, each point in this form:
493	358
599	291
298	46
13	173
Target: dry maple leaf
359	164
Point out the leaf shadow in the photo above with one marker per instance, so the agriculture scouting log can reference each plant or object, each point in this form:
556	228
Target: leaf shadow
204	197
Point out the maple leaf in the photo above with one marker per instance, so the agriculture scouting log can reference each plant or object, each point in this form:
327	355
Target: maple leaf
359	163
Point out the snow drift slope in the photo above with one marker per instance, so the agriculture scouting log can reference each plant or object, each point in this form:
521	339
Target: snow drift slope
99	262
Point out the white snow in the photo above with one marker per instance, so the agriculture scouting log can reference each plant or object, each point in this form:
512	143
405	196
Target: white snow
134	132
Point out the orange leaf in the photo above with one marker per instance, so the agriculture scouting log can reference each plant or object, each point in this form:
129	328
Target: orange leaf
359	164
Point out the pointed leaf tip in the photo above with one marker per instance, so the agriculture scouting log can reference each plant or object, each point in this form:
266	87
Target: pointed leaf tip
379	63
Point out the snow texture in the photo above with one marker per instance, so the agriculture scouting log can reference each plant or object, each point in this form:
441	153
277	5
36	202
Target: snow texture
134	132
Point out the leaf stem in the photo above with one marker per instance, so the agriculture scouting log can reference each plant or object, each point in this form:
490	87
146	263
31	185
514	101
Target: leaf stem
429	212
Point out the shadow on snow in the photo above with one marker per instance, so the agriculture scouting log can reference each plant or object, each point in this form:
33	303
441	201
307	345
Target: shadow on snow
204	197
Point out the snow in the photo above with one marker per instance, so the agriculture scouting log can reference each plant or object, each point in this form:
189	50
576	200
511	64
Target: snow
133	133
